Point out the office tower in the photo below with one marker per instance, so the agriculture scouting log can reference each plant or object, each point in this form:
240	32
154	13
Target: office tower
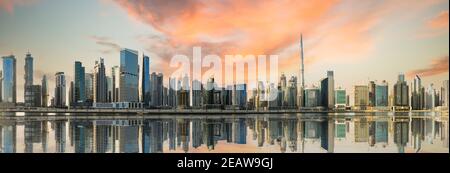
196	93
89	87
172	95
372	93
430	99
184	93
145	81
331	101
361	96
417	94
227	94
100	82
79	83
382	94
312	97
129	76
444	93
340	97
109	93
9	79
28	78
324	92
60	90
44	91
240	95
302	72
115	73
401	92
156	89
291	94
33	96
72	100
1	87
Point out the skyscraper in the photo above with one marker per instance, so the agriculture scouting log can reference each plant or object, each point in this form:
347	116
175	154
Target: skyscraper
28	77
381	95
9	79
157	89
401	92
312	97
79	83
89	87
302	72
240	95
340	97
60	90
172	95
44	91
196	93
115	73
417	94
100	82
361	96
372	93
1	85
129	76
145	81
331	101
430	99
109	85
444	93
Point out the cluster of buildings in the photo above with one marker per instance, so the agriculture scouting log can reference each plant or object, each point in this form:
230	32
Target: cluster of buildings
130	86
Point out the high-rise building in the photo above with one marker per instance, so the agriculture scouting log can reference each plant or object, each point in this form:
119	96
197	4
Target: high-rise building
115	73
129	76
240	95
302	73
372	93
291	94
79	83
145	81
172	95
100	82
340	97
109	85
417	94
361	96
444	93
28	78
157	89
401	92
324	92
9	79
72	100
331	100
60	90
382	95
430	97
89	87
33	96
312	97
1	87
44	91
196	93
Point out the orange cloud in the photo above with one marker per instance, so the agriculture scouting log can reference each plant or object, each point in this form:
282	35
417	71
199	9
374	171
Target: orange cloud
8	5
440	21
436	67
334	30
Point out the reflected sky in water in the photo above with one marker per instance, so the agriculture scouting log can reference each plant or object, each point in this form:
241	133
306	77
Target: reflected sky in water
296	133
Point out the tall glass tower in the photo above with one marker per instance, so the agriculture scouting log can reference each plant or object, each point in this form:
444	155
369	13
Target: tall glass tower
9	79
79	85
145	88
129	76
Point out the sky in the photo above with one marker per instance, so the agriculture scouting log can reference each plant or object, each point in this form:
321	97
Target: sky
358	40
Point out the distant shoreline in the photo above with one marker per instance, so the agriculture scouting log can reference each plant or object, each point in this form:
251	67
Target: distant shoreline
198	111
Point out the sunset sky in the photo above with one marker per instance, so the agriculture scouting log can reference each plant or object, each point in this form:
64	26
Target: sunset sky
360	40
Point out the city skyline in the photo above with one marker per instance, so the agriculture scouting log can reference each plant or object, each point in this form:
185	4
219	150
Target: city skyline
422	50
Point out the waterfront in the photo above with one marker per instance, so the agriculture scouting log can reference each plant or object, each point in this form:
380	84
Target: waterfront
384	132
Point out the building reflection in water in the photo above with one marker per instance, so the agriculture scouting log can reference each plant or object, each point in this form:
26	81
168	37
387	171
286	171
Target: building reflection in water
287	133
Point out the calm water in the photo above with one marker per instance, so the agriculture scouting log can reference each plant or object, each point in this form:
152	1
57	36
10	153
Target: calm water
301	133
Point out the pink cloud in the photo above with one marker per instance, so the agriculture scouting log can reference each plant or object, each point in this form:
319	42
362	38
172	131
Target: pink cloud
436	67
8	5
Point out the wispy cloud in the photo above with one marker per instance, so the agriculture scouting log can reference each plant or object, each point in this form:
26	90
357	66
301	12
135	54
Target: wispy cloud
8	5
436	67
108	46
435	26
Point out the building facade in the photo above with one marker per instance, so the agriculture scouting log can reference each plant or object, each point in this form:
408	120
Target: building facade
9	79
129	76
60	90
